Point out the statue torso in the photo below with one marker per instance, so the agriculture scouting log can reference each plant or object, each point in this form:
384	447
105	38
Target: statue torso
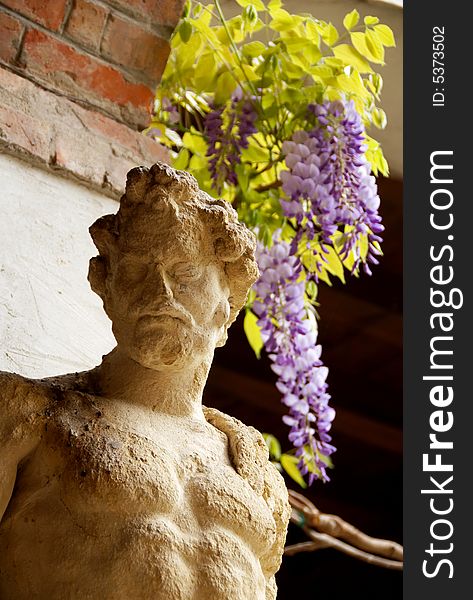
119	502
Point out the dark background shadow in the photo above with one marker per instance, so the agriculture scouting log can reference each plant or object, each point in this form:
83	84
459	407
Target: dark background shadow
361	336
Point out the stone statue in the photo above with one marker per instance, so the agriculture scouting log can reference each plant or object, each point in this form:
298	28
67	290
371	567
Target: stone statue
116	483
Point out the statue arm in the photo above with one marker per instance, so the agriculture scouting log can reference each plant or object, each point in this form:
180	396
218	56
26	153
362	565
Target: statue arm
22	406
276	496
250	457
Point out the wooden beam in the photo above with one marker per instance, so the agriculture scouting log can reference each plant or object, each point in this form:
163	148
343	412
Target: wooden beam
230	384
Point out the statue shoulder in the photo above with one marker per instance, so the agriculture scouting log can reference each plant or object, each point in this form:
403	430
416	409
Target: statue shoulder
248	452
23	402
250	457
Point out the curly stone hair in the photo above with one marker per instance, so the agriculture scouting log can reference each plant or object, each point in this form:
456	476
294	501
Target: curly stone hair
162	188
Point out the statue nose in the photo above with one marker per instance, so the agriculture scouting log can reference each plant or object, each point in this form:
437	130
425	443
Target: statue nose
160	284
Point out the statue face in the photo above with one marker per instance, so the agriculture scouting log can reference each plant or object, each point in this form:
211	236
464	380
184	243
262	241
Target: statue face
166	294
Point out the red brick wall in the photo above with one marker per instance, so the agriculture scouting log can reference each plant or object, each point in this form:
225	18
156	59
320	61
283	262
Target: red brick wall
107	55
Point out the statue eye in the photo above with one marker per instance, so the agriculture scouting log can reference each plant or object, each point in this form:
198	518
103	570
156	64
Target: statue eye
185	273
133	271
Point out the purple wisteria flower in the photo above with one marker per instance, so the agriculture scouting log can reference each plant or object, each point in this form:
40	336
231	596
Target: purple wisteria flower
329	184
228	129
290	340
173	116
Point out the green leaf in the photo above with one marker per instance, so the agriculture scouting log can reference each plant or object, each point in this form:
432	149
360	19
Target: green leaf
253	332
292	95
197	163
182	159
273	445
250	16
283	21
322	71
253	49
379	118
185	31
371	20
243	175
358	40
195	143
385	35
258	4
330	35
374	82
205	71
352	57
224	88
254	152
249	73
311	290
334	264
368	48
206	31
312	32
295	44
290	69
352	84
351	19
289	464
375	46
302	47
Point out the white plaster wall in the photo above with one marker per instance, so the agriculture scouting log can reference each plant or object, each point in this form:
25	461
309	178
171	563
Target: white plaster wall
50	320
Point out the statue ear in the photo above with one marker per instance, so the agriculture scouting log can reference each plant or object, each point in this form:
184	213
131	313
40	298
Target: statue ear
136	184
98	275
231	246
104	233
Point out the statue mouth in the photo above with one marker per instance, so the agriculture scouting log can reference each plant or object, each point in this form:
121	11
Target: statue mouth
160	316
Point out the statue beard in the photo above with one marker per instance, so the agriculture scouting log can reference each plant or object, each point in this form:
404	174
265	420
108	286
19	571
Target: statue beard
168	343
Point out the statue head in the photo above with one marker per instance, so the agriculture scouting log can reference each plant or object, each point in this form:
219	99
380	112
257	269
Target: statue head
173	270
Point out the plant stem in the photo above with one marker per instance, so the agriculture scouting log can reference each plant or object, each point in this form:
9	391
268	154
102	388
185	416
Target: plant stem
240	62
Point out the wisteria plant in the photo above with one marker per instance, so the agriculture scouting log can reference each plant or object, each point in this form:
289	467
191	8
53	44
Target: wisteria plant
270	111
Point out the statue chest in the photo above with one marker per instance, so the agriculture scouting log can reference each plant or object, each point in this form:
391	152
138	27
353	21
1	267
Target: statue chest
144	468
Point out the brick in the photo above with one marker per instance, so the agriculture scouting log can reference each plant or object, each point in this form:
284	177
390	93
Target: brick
79	157
55	132
11	31
157	12
115	171
109	129
151	151
85	24
65	69
24	133
11	82
49	13
135	48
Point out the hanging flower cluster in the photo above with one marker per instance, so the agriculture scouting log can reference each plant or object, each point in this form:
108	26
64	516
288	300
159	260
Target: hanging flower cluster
290	339
228	129
251	120
329	182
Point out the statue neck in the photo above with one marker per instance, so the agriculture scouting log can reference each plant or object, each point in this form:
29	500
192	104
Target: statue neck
168	392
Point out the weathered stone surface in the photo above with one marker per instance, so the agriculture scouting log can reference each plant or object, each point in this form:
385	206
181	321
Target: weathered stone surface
128	487
56	133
